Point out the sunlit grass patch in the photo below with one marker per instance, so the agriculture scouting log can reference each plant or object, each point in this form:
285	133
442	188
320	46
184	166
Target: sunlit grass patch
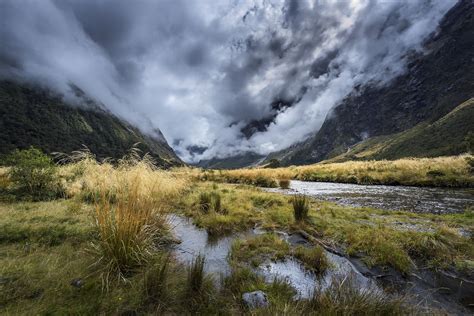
47	223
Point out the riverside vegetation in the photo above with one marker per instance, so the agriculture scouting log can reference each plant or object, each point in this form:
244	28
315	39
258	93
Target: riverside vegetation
89	237
455	171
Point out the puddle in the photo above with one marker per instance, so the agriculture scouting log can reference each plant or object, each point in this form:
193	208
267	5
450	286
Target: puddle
304	281
195	241
414	199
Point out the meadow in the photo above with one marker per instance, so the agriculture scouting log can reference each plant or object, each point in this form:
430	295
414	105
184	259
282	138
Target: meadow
89	237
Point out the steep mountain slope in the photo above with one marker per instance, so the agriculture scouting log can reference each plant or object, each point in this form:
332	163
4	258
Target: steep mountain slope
449	135
433	85
33	116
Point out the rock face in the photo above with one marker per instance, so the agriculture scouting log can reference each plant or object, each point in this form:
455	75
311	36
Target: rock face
433	85
256	299
32	116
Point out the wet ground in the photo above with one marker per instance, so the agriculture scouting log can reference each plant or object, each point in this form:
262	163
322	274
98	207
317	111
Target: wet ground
413	199
196	241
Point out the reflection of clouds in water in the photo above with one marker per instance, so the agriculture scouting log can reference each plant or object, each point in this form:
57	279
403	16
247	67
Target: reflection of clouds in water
418	199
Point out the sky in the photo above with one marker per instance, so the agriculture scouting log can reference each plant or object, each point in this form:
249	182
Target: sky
205	71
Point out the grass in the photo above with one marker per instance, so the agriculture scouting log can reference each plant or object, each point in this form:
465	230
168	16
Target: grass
313	258
284	183
205	200
300	207
257	250
344	298
370	233
119	210
452	171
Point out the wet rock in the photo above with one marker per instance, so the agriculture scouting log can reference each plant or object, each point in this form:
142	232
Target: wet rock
77	283
255	299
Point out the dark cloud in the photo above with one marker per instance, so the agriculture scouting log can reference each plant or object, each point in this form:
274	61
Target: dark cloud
210	74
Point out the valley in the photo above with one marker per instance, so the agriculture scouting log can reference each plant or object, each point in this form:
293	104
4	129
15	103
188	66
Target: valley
130	237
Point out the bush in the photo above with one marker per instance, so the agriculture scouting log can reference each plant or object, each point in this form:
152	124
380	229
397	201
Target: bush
33	174
300	207
284	183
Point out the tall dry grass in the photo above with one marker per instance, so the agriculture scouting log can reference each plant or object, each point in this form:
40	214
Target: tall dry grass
454	171
130	198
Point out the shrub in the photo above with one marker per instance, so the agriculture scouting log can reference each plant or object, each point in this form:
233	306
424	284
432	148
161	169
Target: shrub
300	207
33	174
284	183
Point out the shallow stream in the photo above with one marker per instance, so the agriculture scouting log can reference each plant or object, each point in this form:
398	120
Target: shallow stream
405	198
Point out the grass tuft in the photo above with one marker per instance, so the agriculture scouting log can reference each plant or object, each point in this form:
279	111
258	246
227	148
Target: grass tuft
300	207
205	200
313	258
284	183
343	297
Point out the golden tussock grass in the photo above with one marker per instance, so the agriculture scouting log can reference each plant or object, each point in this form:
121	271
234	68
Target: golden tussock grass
454	171
129	198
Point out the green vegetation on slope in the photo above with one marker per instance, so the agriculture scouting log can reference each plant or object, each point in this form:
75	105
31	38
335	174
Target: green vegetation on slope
447	136
30	116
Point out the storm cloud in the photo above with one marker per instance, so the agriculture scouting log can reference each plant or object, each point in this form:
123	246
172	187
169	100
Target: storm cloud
201	71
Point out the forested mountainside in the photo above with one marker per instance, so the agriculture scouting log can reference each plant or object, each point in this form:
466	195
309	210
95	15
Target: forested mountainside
32	116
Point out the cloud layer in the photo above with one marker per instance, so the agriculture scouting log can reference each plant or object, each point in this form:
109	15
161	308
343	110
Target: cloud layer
203	70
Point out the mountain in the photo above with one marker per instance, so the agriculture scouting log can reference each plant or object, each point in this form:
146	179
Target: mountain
32	116
233	162
451	134
435	83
